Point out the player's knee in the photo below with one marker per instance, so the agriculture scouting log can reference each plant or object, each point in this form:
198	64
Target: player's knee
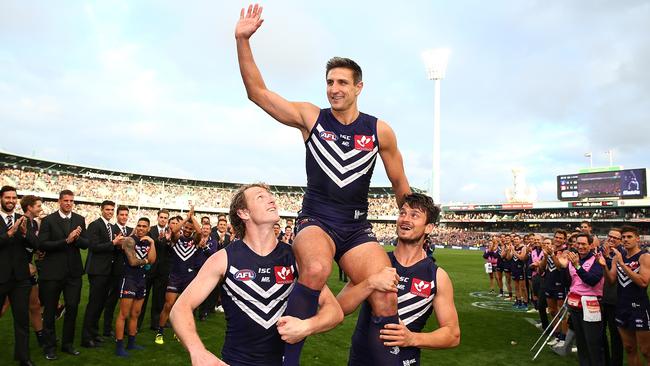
314	274
383	303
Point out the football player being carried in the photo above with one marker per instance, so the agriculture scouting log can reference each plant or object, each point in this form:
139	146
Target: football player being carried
422	286
255	275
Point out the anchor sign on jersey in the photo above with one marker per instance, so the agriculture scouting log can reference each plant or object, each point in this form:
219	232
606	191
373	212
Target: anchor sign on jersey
364	143
283	274
420	288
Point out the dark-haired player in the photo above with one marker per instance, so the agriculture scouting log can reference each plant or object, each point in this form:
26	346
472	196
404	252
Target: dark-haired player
184	243
632	271
554	278
342	145
139	253
422	288
255	276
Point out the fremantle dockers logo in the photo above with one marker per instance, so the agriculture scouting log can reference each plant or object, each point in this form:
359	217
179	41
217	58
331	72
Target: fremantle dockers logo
363	142
420	288
283	275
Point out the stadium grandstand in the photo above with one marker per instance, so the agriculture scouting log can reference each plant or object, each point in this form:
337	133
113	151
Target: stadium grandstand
466	225
146	194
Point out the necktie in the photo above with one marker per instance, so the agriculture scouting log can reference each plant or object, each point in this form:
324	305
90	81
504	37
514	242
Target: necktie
110	231
66	225
124	231
10	221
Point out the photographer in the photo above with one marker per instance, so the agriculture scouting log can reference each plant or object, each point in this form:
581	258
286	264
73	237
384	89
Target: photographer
585	292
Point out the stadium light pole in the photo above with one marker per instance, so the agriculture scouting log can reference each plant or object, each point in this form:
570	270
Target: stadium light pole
610	154
435	61
591	161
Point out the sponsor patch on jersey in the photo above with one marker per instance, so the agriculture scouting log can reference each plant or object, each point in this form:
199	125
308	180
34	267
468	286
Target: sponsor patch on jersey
328	136
633	265
283	274
363	142
420	287
245	275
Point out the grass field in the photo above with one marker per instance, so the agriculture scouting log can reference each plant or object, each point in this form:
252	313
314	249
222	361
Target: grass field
486	335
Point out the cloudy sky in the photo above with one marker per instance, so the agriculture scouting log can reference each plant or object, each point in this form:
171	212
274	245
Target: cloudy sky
154	86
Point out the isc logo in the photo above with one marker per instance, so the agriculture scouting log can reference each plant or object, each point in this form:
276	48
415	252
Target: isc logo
328	136
244	275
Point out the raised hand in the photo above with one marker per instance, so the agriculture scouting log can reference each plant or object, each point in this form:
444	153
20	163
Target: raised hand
117	241
249	22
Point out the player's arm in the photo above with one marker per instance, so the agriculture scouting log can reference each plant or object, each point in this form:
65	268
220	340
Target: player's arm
642	278
128	245
45	241
329	315
181	315
294	114
448	333
609	270
151	255
393	162
352	295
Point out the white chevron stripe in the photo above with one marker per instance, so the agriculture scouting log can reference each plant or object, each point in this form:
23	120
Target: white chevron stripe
413	317
415	305
255	287
260	305
336	148
342	169
184	252
251	314
335	179
405	297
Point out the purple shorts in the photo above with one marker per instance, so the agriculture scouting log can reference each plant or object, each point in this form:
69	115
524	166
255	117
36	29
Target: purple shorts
345	236
133	288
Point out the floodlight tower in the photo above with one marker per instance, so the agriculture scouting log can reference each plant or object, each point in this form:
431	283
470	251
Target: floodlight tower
435	61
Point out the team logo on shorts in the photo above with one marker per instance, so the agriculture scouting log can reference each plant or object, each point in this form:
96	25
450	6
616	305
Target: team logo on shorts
328	136
420	287
244	275
363	142
283	275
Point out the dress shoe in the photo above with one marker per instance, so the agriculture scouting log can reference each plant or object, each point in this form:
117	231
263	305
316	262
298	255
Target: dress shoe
98	339
50	355
70	350
89	344
109	334
26	363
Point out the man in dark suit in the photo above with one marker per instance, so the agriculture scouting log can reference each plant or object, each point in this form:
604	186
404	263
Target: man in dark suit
158	276
101	243
14	270
117	270
221	235
61	235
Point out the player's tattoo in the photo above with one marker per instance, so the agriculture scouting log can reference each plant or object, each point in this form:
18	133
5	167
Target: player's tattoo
128	244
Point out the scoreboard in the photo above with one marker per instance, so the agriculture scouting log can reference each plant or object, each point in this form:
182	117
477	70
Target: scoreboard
628	183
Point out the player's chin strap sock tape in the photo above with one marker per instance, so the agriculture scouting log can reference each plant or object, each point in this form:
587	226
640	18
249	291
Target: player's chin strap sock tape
382	355
302	304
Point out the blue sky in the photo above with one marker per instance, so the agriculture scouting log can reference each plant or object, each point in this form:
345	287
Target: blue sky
154	87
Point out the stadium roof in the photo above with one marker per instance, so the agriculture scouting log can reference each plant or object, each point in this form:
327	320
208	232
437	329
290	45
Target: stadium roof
53	167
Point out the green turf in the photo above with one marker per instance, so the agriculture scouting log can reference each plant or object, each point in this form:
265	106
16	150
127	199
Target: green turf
486	335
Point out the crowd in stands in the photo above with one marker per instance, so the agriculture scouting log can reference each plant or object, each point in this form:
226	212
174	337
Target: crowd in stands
584	214
154	194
